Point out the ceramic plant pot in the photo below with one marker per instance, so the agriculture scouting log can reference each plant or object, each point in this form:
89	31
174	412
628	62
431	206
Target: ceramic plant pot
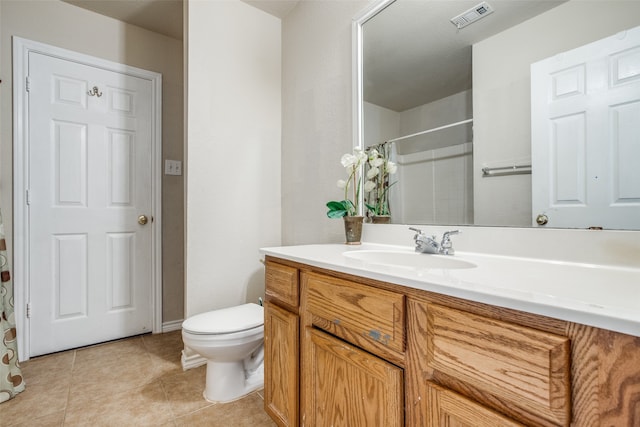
381	219
353	229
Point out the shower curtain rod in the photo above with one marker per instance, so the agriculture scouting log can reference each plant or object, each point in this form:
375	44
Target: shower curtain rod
430	130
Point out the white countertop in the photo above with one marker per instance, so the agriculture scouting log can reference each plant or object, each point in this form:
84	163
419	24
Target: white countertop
606	297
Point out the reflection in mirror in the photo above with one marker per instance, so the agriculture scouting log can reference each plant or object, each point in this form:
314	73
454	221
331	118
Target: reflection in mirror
380	169
452	102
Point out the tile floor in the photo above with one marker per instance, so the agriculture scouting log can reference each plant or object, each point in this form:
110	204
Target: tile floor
132	382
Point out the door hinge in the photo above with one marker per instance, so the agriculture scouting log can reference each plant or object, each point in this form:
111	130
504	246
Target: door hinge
28	197
28	310
28	83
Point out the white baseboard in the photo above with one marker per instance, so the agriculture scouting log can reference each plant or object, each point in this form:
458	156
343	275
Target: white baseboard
174	325
192	360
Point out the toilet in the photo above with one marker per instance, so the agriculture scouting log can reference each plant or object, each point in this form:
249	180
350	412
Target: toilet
232	341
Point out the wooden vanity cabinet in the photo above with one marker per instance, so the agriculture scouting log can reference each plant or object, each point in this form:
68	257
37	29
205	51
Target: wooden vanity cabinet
361	352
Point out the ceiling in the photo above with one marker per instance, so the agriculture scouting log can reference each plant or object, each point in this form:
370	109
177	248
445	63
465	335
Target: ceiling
408	35
413	54
165	16
278	8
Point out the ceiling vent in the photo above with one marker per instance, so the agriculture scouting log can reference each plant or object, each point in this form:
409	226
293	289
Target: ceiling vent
472	15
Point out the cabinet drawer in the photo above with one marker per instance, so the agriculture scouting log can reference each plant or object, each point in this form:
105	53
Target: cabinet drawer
282	284
370	317
524	366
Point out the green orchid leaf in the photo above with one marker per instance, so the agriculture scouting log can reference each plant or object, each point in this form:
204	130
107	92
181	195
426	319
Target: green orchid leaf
334	206
336	214
337	209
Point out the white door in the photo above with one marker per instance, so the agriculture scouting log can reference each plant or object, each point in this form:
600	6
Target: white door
585	113
90	258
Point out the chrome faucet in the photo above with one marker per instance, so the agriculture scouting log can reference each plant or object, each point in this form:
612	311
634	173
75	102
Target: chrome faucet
424	243
428	244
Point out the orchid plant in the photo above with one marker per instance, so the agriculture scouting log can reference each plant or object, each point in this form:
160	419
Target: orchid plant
377	185
349	206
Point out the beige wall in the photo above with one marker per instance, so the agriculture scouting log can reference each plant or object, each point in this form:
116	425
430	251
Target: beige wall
316	116
380	124
501	96
63	25
233	151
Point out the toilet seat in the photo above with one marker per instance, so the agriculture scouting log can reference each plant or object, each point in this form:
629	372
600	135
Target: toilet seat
226	320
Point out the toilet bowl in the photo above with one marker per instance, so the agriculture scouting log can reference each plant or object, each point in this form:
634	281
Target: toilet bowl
232	341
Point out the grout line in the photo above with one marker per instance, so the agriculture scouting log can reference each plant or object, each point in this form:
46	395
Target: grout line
211	404
66	403
168	402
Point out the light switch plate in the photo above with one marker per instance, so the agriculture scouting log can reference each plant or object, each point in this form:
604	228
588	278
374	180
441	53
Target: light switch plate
173	167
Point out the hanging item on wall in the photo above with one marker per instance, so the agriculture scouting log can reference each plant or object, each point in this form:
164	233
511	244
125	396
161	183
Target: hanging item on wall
95	92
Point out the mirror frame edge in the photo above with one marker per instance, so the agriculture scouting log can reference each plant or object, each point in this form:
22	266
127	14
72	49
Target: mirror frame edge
357	76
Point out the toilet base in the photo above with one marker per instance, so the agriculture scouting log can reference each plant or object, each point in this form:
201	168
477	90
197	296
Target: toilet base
228	381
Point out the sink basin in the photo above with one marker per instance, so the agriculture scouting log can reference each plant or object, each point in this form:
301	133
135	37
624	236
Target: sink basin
409	259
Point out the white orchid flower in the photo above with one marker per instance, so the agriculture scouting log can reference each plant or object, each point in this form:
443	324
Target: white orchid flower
373	172
348	160
376	162
369	186
342	183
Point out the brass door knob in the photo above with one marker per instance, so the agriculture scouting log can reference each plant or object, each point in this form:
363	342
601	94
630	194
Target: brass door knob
142	219
542	219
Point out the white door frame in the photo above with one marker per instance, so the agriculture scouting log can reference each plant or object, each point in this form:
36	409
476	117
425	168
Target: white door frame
21	49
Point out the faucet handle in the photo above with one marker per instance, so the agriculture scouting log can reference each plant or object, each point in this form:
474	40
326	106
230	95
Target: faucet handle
446	247
450	233
418	234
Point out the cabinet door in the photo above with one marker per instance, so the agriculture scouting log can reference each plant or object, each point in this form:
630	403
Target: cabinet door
346	386
281	365
450	409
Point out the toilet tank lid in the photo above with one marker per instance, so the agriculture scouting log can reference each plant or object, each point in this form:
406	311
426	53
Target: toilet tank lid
226	320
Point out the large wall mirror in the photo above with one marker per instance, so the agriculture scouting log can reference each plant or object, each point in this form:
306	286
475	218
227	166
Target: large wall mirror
494	122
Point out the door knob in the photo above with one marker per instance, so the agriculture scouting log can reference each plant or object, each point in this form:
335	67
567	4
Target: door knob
542	219
142	219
